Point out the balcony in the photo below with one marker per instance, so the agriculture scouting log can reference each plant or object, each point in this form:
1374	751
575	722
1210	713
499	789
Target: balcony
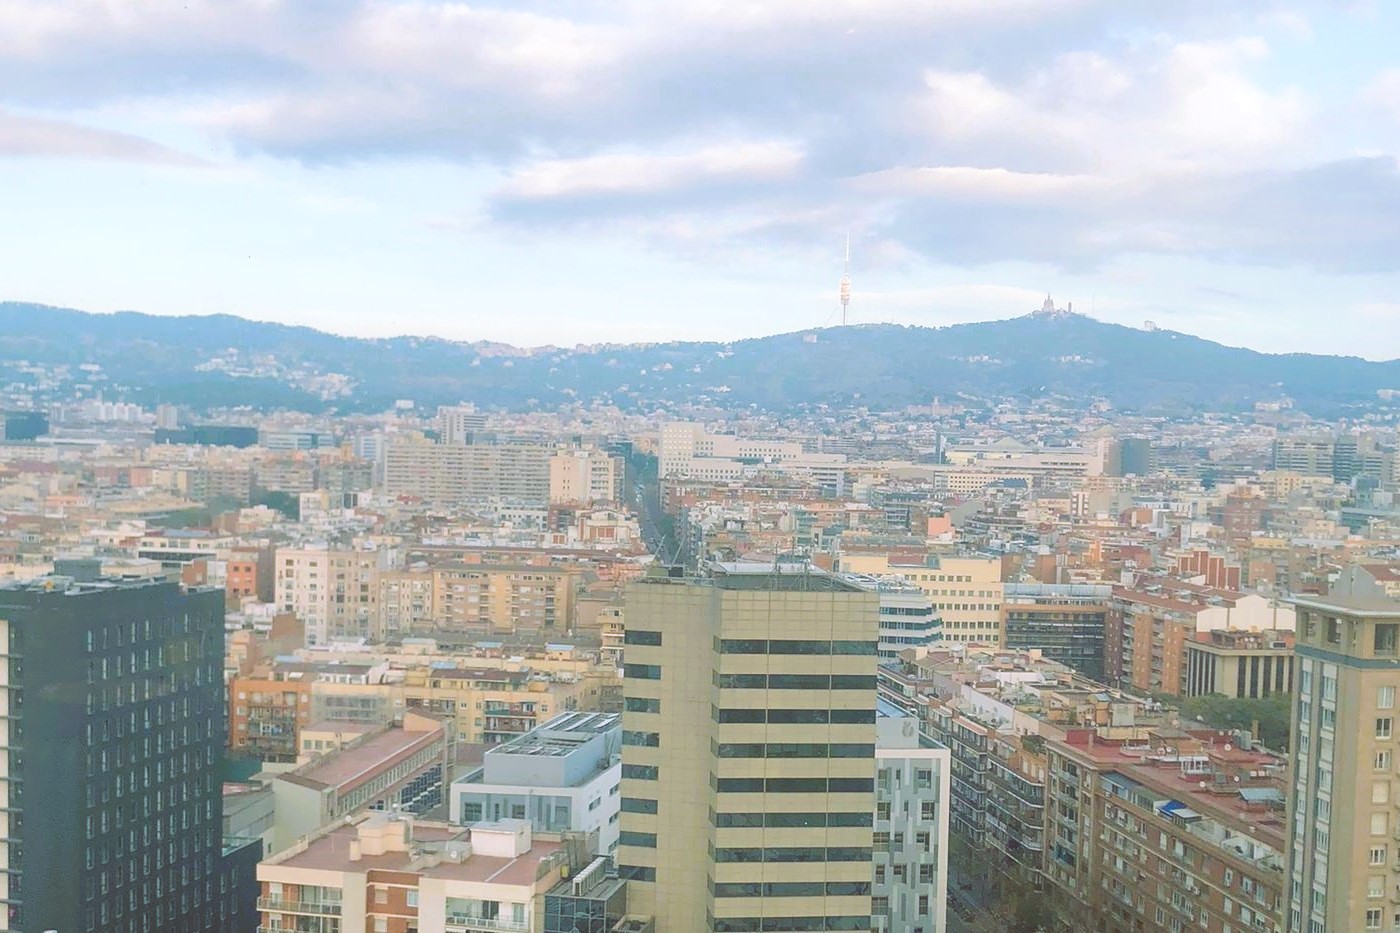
461	923
282	905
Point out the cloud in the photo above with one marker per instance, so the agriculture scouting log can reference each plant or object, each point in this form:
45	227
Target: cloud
1067	132
36	136
634	173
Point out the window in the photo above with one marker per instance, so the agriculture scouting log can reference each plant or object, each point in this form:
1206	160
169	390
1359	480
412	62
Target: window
471	812
1377	855
1385	697
1382	761
1378	824
641	705
1383	726
1380	792
642	671
638	805
1373	918
412	897
640	772
1375	886
639	637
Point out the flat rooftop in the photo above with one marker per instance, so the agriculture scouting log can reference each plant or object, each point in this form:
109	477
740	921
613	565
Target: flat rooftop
355	764
560	736
331	852
772	577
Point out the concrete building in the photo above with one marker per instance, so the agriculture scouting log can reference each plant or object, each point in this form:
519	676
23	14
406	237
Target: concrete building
749	695
1151	622
400	767
907	616
1239	664
112	731
330	589
585	476
446	474
381	874
563	776
489	599
1344	855
459	424
1065	622
1306	454
967	594
910	852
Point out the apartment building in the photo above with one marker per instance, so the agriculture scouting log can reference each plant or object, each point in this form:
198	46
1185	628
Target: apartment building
270	705
491	706
332	590
1066	622
749	750
1344	857
1125	820
563	776
405	604
448	474
112	730
583	476
1150	623
401	767
909	890
380	873
1178	831
492	599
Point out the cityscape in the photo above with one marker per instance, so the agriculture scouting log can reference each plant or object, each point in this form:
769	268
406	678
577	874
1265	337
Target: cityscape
1029	663
521	466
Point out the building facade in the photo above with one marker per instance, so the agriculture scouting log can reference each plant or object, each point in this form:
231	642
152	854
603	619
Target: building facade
749	750
1344	857
113	730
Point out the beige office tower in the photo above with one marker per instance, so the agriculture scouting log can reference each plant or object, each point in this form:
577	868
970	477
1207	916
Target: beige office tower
749	750
1344	825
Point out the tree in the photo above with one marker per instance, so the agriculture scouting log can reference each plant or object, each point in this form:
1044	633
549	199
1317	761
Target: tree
1273	714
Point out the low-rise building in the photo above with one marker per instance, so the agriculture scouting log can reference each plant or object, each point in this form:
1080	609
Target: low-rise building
381	872
404	767
563	776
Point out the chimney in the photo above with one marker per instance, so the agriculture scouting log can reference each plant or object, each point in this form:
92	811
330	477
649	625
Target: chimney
355	849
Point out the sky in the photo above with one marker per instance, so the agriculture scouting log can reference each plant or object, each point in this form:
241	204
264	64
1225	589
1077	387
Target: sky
582	171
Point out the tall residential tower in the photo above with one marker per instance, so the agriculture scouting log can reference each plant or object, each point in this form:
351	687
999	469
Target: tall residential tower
1344	853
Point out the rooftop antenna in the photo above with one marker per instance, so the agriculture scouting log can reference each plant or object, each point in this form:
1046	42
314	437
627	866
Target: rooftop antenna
846	281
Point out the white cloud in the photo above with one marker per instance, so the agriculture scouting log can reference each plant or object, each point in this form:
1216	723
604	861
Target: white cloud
42	137
638	173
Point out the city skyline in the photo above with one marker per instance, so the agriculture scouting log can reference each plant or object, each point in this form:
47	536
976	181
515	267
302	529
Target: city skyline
357	167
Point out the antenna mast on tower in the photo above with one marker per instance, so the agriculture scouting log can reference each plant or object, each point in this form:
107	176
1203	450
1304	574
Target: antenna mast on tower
846	281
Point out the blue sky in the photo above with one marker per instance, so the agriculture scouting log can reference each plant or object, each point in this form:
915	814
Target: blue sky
585	171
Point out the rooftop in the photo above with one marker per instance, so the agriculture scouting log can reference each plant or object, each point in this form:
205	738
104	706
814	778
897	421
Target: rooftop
426	849
359	761
562	735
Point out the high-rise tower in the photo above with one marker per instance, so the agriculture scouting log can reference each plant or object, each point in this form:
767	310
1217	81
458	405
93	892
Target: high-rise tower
113	726
1344	827
748	759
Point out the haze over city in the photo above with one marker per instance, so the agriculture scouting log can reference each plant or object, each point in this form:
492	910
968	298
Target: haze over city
547	173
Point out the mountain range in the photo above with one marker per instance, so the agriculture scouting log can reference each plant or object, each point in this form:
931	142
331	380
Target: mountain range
221	360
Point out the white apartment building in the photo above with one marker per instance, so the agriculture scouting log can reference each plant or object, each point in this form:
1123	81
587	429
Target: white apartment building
332	590
912	792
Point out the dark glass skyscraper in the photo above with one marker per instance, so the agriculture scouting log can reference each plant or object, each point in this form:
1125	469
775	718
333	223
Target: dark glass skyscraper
112	720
